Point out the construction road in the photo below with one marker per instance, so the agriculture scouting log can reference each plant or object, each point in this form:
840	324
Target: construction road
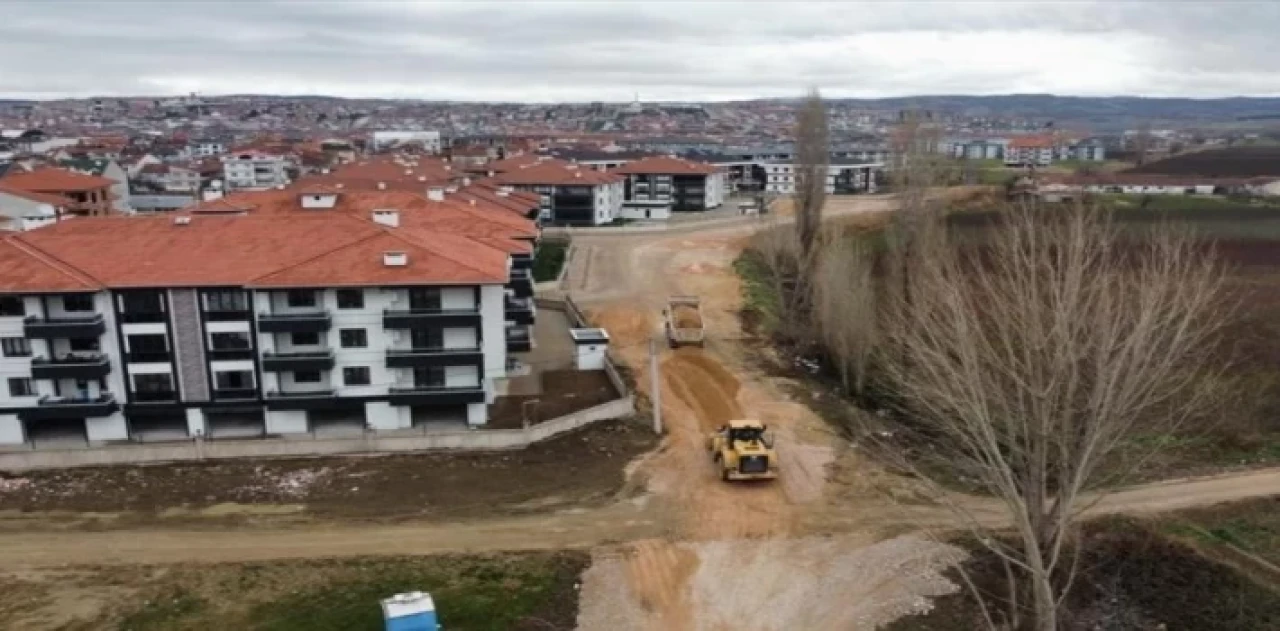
807	552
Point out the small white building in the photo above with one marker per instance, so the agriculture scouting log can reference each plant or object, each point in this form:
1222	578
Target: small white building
384	140
23	210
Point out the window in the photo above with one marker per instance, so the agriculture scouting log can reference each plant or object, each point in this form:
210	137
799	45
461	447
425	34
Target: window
233	380
353	338
20	387
228	341
148	343
15	346
305	339
301	298
226	300
350	299
428	377
77	302
142	302
84	345
153	383
306	376
355	375
12	306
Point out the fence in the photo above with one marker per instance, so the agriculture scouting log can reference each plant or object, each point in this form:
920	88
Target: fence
310	446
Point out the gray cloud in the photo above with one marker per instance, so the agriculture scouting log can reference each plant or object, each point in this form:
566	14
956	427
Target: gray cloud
538	51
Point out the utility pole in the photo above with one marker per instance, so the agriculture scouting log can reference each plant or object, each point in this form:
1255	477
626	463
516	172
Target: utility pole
655	385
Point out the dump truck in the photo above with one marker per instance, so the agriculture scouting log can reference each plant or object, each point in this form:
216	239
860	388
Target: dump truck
743	450
684	321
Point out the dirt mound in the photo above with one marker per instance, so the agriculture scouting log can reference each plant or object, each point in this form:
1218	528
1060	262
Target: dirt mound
706	387
686	317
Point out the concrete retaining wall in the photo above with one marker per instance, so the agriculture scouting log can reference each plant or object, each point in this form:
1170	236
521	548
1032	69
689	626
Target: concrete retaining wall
307	446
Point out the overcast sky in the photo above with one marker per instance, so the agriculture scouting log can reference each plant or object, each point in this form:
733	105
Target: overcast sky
529	50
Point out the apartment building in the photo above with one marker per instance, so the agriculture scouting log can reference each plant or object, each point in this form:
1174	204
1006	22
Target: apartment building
684	184
843	177
1029	151
254	171
570	193
171	178
295	314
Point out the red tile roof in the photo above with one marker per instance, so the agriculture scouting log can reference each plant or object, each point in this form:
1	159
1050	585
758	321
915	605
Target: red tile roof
432	258
455	216
274	251
664	165
1031	142
50	180
26	269
43	198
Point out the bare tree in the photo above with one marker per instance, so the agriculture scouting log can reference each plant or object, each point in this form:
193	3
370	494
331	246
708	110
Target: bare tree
1142	142
845	308
1027	359
812	157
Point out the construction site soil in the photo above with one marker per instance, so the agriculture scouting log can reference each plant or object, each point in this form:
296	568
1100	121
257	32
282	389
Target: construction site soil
563	392
580	468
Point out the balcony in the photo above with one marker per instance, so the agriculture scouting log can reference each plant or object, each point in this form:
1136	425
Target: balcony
285	362
229	354
519	340
235	394
147	357
521	283
154	396
422	357
435	395
519	310
228	315
522	261
77	366
53	408
77	327
308	400
142	317
425	318
306	322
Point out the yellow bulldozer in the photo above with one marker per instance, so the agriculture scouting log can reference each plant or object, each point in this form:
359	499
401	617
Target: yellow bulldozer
743	450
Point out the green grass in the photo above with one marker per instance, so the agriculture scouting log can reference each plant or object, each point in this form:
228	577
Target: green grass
759	298
1186	203
490	593
548	260
1252	526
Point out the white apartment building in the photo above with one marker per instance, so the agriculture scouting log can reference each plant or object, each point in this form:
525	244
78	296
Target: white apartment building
570	193
254	171
684	184
843	177
242	326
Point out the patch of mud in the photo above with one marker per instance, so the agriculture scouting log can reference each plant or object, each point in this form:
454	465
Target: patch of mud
818	583
806	583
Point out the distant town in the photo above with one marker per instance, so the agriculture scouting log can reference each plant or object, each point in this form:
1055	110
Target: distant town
165	154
